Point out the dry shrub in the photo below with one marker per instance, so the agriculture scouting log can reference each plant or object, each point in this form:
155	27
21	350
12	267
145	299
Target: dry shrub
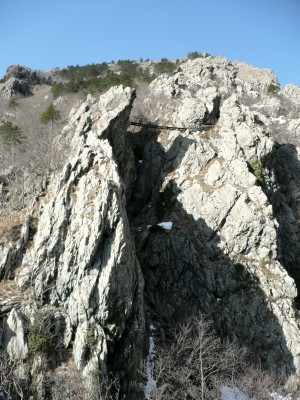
39	153
198	363
68	383
10	383
10	226
9	289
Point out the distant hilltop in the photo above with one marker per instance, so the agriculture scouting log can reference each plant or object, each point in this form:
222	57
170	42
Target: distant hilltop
20	80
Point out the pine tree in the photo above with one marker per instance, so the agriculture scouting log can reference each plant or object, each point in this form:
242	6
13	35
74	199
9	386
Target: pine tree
50	115
10	133
13	103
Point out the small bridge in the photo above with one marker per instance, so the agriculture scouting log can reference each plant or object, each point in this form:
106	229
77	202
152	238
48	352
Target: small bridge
170	128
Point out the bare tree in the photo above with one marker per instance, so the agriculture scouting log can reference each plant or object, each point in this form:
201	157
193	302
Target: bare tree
68	385
10	385
25	160
103	387
198	363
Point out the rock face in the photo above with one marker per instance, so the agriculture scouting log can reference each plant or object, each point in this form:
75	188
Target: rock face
200	220
20	72
218	182
18	80
14	338
82	260
13	87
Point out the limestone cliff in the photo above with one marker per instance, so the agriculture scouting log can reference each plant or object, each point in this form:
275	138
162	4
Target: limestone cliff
163	224
82	260
221	184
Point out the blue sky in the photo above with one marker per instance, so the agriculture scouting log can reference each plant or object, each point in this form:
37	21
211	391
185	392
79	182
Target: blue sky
47	34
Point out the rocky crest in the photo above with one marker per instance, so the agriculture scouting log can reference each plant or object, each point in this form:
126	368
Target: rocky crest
82	261
94	248
217	183
18	81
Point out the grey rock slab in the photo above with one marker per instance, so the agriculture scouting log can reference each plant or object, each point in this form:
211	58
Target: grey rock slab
83	258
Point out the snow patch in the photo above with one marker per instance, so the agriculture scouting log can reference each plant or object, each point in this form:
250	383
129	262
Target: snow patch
9	114
281	120
228	393
166	225
93	140
258	106
151	384
276	396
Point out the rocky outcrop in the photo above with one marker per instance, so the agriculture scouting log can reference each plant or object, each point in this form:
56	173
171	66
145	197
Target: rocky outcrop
210	214
14	337
22	73
217	183
17	232
83	261
13	87
18	80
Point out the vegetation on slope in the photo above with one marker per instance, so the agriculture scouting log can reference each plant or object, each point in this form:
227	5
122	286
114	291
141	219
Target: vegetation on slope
99	77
